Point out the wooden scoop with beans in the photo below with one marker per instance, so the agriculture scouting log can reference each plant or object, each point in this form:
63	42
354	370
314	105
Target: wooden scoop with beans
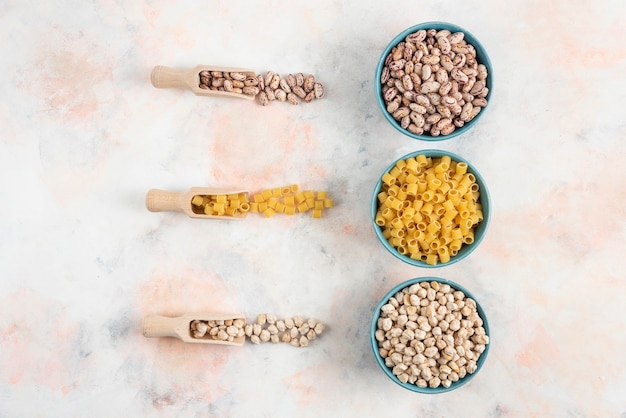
201	202
205	80
203	328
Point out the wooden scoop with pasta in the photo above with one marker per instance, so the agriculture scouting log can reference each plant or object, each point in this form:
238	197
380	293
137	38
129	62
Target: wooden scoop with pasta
201	202
201	328
205	80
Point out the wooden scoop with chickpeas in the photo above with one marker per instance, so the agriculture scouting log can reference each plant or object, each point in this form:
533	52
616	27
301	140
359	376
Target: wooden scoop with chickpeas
202	328
232	329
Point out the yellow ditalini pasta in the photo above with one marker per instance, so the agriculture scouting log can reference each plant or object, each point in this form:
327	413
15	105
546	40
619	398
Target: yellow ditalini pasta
428	208
278	200
290	200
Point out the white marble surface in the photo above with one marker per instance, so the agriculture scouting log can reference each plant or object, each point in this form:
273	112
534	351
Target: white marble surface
85	135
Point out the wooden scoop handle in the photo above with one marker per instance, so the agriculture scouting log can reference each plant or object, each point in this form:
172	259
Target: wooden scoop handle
162	200
165	77
160	326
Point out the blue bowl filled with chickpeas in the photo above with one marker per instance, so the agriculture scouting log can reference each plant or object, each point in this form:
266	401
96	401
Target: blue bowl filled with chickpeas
433	81
429	335
430	208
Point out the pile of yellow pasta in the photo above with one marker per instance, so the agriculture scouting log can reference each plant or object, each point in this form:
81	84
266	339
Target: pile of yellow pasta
287	200
428	208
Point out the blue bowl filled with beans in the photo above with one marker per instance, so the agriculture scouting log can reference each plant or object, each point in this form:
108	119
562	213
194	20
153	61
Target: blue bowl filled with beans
429	335
434	81
430	208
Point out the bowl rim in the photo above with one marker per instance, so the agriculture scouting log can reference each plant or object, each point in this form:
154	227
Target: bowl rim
467	249
480	50
410	386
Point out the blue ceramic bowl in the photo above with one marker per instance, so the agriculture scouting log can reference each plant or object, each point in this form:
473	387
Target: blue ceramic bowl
479	231
481	56
381	361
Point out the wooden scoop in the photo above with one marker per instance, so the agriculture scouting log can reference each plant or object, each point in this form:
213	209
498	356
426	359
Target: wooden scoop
166	77
180	327
161	200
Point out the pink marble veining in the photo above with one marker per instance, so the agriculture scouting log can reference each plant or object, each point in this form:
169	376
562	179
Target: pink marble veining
84	136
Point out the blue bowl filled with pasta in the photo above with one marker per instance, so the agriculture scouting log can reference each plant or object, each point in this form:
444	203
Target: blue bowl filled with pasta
427	346
430	208
434	81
